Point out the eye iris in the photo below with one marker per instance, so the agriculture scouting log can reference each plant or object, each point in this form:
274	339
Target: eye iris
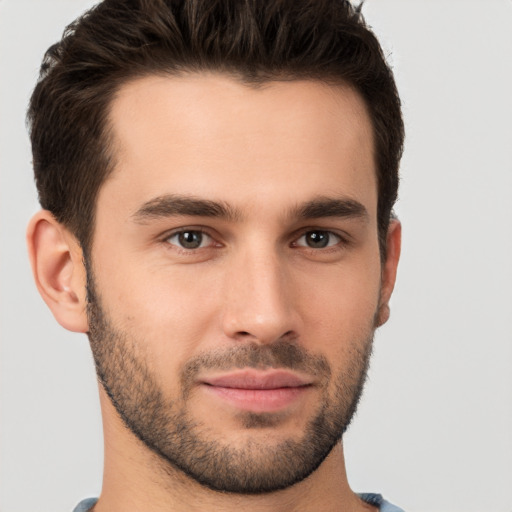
317	239
190	239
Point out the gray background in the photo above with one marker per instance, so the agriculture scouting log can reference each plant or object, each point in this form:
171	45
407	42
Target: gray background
434	430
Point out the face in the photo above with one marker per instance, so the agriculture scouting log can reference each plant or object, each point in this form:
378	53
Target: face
234	277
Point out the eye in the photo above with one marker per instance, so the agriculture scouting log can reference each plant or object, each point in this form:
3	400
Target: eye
318	239
190	239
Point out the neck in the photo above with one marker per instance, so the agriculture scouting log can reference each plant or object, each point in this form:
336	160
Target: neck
136	479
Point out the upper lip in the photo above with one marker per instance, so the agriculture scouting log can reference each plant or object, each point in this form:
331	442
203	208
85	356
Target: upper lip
256	379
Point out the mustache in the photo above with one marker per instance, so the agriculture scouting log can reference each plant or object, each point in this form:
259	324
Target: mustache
280	354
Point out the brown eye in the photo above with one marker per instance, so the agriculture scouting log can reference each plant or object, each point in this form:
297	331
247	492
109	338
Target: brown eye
190	239
318	239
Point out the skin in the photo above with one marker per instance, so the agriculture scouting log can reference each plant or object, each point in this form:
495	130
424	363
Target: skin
262	152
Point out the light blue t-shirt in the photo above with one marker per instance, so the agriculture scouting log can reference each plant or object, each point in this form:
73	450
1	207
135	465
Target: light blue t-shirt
372	499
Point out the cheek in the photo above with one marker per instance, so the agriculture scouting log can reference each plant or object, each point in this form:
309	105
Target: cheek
343	300
339	318
168	311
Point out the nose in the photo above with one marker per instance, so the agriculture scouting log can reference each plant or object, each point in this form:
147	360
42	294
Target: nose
260	302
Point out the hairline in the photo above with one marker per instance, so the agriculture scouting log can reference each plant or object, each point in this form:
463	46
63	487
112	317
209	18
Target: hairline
254	81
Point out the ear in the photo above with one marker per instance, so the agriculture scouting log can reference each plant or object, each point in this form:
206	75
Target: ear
57	264
389	267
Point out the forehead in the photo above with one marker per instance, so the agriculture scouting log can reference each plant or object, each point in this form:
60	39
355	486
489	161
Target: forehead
210	135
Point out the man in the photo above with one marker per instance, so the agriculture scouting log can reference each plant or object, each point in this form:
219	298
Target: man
217	180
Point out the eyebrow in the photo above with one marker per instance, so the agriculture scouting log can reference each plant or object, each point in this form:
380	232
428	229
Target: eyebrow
332	207
175	205
170	205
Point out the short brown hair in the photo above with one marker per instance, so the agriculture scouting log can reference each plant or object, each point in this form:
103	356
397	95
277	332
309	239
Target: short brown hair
253	40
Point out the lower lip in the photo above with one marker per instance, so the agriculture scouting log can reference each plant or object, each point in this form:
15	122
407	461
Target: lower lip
259	400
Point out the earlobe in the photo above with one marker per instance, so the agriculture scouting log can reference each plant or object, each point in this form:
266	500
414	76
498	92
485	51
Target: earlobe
59	273
389	269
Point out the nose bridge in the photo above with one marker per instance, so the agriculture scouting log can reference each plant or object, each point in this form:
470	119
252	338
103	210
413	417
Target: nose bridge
258	303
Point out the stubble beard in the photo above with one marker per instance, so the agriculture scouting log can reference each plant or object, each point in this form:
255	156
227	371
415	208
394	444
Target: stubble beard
167	428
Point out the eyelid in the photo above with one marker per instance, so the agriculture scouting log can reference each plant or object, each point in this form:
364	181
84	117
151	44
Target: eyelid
342	237
184	229
330	244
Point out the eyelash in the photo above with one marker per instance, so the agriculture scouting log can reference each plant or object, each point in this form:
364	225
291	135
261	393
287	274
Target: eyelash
182	231
341	240
330	234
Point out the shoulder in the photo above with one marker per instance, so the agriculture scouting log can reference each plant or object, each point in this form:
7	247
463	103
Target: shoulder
378	501
85	505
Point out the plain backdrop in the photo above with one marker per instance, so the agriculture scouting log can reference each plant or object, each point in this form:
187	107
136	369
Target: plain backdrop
434	430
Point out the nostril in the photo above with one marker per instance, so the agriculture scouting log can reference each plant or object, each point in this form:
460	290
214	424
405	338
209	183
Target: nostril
288	335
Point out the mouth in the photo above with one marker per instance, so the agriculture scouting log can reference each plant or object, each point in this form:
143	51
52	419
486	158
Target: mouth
258	391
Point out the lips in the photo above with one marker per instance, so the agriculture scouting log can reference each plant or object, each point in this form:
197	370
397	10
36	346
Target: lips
251	379
258	391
